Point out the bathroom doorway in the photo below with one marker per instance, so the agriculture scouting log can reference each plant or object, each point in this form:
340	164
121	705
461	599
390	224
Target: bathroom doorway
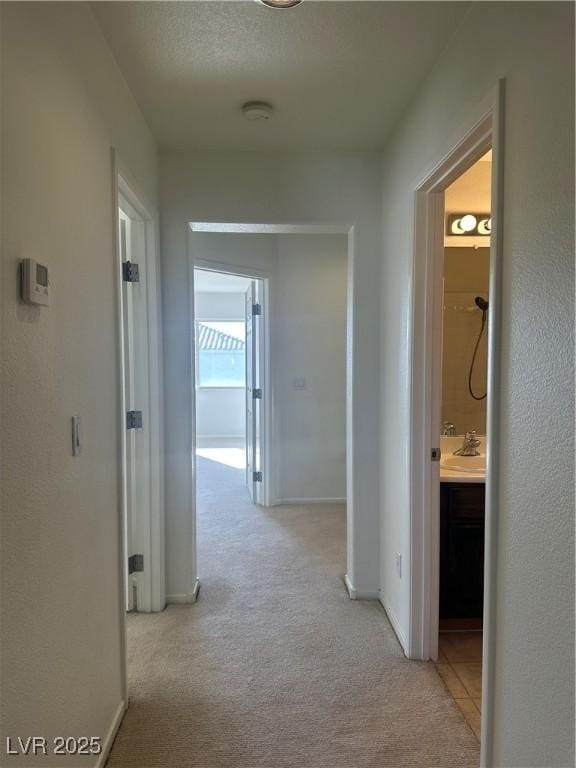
463	442
434	223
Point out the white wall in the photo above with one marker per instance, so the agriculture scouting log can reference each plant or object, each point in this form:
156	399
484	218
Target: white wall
63	107
297	188
309	342
531	45
220	412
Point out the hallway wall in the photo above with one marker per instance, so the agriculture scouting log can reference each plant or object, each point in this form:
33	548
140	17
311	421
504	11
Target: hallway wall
534	632
63	106
310	345
301	188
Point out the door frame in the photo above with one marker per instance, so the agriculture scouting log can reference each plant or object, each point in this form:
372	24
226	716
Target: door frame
150	527
272	228
426	391
263	277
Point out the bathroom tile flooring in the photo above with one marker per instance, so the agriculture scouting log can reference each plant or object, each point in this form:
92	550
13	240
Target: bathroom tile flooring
460	667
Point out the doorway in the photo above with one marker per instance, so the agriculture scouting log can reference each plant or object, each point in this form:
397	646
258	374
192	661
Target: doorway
297	325
463	439
426	396
229	312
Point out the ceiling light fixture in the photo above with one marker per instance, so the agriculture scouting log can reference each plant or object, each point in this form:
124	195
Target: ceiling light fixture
280	3
257	111
469	224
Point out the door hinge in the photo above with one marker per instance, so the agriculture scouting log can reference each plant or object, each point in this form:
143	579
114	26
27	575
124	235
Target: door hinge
257	477
135	564
130	272
256	309
436	453
257	394
133	419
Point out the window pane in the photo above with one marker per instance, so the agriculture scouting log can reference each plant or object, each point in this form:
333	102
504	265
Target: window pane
221	354
219	368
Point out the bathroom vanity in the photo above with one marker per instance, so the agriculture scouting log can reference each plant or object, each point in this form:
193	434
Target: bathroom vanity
462	501
461	550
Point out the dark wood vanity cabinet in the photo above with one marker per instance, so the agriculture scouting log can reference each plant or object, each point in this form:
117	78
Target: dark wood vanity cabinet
461	550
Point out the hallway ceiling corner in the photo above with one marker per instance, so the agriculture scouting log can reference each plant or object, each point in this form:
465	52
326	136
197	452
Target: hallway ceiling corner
339	73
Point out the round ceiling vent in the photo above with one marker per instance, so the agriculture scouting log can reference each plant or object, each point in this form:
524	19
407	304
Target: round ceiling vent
257	111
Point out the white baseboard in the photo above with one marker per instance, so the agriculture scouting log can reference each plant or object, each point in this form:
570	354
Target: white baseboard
360	594
350	587
315	500
393	619
186	597
111	735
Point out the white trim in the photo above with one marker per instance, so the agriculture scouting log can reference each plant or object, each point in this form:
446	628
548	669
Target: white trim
492	430
314	500
270	229
151	584
396	626
350	588
122	574
189	597
426	394
216	266
221	437
359	594
111	733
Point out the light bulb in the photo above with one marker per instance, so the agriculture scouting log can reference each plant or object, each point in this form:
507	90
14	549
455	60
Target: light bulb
468	222
484	226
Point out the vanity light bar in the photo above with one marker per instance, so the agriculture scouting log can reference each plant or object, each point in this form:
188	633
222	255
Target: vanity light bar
469	224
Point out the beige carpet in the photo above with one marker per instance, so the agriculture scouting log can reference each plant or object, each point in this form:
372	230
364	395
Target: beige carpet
274	666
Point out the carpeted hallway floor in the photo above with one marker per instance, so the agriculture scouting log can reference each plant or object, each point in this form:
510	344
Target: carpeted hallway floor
274	667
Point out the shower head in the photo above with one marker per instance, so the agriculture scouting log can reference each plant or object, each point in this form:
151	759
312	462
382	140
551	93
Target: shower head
481	303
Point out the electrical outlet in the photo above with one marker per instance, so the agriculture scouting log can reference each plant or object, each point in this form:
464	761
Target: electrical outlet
399	564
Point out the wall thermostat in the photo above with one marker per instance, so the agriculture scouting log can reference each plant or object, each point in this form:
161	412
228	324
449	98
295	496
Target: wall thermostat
34	282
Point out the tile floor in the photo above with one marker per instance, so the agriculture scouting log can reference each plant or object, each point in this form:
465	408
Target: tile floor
460	667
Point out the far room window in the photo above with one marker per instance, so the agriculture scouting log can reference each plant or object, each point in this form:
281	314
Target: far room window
221	353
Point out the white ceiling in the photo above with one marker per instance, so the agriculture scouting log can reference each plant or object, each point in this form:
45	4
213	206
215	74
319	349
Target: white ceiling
218	282
339	74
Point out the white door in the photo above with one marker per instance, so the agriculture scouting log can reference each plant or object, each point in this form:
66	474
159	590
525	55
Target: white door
254	392
135	408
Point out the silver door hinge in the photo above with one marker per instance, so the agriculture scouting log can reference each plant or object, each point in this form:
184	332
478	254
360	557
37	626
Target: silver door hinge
257	394
135	564
257	477
130	272
436	453
133	419
256	309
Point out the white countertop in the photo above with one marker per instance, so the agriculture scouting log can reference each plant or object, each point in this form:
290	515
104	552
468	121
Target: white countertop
448	475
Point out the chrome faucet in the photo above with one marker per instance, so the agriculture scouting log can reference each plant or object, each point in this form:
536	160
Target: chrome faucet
448	429
469	446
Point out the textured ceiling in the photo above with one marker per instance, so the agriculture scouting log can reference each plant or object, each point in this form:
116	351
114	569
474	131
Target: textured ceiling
339	74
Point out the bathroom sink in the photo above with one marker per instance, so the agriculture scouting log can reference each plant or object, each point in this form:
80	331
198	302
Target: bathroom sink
475	464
